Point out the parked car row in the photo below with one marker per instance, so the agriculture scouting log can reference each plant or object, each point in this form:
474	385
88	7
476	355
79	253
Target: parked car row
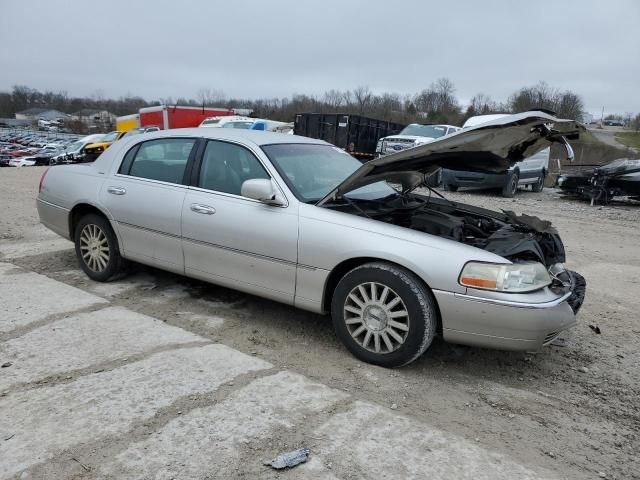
23	148
26	147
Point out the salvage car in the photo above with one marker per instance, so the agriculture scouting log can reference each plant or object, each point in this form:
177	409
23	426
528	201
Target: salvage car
299	221
600	184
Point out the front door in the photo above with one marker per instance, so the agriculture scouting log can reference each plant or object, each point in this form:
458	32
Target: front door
233	240
145	199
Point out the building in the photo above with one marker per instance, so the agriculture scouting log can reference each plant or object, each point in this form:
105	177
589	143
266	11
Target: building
93	117
33	114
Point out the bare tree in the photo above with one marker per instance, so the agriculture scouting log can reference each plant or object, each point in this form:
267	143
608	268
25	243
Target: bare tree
334	98
210	97
362	96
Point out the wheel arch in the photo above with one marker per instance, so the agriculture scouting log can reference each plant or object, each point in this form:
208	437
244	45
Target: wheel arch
346	266
80	210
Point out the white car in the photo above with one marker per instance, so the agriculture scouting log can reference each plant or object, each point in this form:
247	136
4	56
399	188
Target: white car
22	162
220	121
411	136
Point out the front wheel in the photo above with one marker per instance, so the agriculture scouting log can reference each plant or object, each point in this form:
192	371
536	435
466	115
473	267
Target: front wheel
384	314
511	187
450	188
97	248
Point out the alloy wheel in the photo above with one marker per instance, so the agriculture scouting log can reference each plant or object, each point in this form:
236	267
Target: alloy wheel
94	247
376	317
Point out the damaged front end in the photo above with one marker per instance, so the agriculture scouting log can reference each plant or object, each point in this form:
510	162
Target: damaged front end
532	246
524	240
601	184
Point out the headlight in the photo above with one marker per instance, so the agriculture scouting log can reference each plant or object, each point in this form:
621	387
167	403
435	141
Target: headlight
516	277
561	180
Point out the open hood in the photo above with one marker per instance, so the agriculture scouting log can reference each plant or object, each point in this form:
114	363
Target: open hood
490	147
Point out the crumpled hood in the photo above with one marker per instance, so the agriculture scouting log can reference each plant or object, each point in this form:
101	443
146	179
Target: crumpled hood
490	147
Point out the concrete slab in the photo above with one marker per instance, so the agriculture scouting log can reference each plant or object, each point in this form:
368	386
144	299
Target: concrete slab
45	421
27	297
83	340
26	249
369	441
208	442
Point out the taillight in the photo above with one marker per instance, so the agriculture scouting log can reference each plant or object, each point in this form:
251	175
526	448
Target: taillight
42	180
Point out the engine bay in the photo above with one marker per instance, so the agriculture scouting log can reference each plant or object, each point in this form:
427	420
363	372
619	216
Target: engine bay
516	238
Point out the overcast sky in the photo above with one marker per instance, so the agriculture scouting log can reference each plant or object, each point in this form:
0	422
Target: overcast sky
267	48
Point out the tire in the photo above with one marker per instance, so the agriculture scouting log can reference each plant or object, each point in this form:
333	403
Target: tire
368	335
450	188
539	185
511	187
95	239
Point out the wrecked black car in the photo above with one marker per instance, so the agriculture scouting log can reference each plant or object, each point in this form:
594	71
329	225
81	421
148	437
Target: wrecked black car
600	184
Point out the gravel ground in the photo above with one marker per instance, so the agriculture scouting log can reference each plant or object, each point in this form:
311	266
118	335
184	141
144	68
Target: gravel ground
574	410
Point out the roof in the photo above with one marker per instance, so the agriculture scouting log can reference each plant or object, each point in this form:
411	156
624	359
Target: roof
34	111
257	137
85	112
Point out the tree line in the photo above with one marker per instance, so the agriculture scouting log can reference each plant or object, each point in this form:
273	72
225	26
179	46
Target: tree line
437	103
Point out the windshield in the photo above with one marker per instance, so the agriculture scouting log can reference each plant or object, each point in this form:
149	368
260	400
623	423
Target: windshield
211	122
135	131
110	137
74	146
432	131
312	171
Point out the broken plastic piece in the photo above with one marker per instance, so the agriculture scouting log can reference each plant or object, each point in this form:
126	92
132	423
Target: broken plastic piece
290	459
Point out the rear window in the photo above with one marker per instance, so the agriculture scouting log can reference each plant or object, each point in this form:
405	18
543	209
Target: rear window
164	160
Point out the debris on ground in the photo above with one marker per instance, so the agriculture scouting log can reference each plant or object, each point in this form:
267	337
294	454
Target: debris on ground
290	459
6	365
584	369
559	342
595	328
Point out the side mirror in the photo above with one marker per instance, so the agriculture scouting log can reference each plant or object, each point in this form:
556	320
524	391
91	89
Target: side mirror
261	189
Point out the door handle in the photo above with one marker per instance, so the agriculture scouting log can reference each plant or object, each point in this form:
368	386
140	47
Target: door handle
116	190
204	209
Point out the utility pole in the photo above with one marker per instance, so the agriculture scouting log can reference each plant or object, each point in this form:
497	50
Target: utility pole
602	117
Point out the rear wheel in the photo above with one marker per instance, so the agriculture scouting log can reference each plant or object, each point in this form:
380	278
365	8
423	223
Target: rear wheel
384	314
539	185
511	187
97	248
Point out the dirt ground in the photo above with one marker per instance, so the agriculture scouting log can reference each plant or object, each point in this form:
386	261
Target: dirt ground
574	410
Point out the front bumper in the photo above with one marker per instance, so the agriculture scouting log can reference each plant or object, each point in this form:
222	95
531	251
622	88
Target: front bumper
508	325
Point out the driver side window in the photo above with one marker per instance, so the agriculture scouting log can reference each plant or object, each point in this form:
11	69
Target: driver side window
226	166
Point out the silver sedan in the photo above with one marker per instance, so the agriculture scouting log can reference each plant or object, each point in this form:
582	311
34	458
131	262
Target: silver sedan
301	222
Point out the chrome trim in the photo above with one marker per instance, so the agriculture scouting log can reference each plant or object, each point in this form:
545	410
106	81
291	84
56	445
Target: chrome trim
239	197
148	229
52	205
222	247
241	252
507	303
150	180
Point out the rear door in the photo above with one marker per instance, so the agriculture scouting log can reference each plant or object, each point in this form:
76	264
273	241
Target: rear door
233	240
145	199
531	167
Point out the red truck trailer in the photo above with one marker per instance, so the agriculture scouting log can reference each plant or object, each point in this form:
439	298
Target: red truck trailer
165	116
